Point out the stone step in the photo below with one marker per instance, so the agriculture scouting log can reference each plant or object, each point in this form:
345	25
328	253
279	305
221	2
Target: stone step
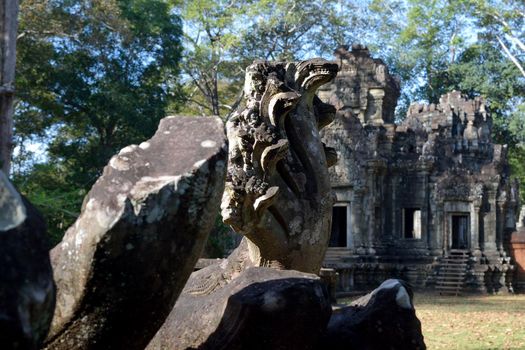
451	277
454	266
448	288
459	250
451	283
455	284
452	273
337	255
454	263
454	260
453	269
458	254
459	258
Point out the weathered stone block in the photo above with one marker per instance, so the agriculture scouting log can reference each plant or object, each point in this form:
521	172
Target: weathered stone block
143	225
27	291
262	308
383	319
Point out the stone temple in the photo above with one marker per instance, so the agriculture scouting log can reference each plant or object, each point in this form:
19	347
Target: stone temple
428	200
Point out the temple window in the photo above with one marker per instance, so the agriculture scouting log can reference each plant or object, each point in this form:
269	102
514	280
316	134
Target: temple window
412	223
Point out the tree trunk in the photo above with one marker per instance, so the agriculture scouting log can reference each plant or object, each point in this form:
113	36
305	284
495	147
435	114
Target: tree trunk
8	29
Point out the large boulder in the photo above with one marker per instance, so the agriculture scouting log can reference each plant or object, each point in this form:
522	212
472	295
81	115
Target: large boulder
383	319
27	291
262	308
143	225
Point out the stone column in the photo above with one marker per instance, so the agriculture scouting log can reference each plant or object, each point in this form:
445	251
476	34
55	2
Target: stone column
489	223
375	106
445	229
357	219
395	209
500	225
372	174
349	227
436	239
425	236
474	229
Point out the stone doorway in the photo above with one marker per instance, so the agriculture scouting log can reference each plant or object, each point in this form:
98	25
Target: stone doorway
339	223
460	231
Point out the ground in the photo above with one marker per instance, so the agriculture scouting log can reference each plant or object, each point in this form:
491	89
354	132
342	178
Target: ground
472	322
480	322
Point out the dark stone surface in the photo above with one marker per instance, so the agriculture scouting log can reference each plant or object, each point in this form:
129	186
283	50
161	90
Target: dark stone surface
27	291
143	225
383	319
262	308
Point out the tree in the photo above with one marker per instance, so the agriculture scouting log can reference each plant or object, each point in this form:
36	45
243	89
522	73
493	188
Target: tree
294	30
8	28
484	70
210	70
222	37
93	77
425	43
504	22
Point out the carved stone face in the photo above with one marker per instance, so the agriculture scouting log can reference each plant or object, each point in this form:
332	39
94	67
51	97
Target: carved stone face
277	189
311	74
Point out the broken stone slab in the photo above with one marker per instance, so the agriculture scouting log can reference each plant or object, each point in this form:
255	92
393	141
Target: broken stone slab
262	308
27	291
382	319
143	225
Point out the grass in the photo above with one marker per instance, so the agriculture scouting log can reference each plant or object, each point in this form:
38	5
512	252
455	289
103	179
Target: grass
472	322
479	322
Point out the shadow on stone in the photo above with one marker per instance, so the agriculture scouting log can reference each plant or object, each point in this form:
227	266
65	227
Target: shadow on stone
278	314
143	225
382	319
262	308
27	291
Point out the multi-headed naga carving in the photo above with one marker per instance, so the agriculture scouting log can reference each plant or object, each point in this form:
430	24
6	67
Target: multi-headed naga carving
277	189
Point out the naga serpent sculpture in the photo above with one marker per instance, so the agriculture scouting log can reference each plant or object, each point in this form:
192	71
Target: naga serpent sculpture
278	192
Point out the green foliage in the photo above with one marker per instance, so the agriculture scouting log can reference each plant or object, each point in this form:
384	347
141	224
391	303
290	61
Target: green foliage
48	190
516	128
483	70
425	38
212	77
98	78
503	21
223	37
221	241
291	30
